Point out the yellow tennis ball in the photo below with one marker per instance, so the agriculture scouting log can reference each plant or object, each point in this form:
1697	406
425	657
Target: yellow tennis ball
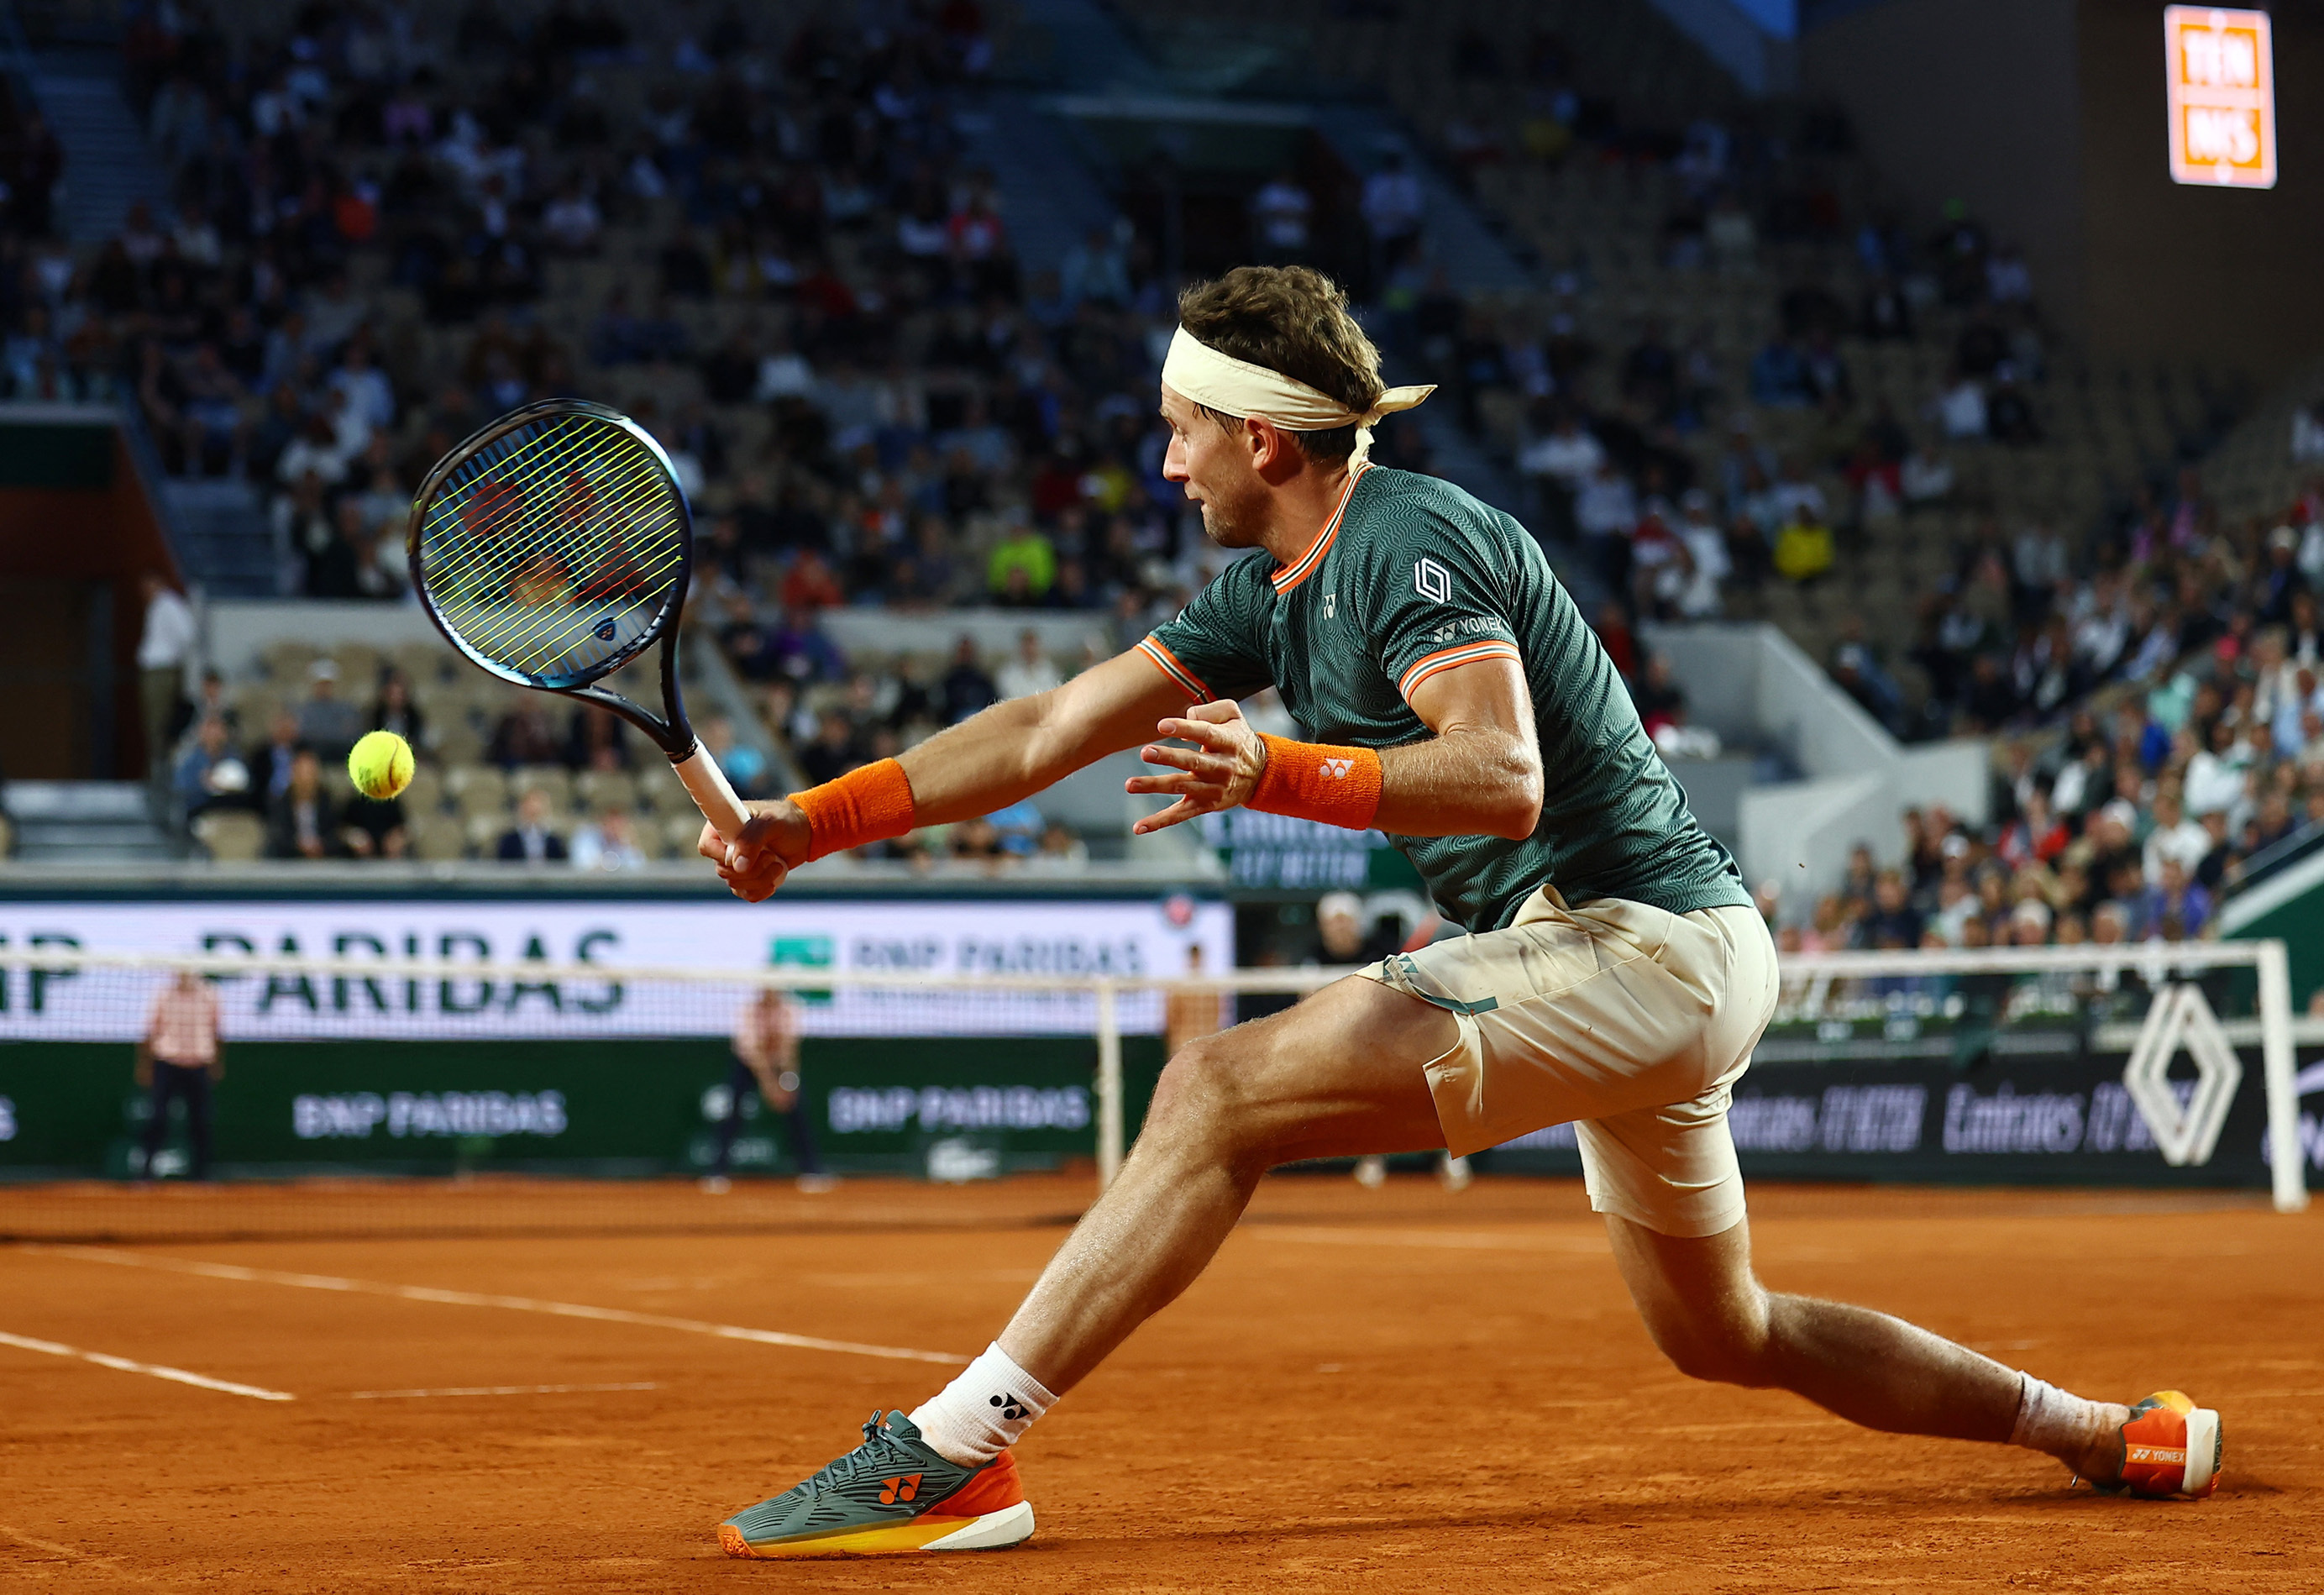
380	765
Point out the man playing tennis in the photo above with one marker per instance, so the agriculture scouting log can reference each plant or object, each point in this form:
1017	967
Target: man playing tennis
1616	975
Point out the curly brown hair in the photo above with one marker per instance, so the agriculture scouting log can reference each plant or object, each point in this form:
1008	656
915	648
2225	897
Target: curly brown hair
1293	319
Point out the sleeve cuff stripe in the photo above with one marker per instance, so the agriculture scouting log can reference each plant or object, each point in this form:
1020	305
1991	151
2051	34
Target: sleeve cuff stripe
1168	663
1468	653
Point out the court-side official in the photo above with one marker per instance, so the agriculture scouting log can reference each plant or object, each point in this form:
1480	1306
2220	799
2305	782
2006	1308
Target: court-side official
180	1058
766	1060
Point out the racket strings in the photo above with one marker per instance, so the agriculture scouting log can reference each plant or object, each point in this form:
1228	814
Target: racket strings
475	566
540	540
526	634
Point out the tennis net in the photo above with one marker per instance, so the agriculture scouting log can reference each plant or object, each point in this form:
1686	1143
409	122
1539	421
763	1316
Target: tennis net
374	1096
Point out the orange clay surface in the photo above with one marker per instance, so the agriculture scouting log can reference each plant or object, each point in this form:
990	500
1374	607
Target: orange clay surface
1394	1389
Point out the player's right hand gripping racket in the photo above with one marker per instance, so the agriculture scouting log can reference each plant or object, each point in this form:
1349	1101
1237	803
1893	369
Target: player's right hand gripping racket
552	548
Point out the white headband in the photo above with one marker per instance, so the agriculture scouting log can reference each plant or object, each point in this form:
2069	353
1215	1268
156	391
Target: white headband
1237	387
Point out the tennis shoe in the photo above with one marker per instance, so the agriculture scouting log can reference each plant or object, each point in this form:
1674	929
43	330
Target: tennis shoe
2169	1447
890	1496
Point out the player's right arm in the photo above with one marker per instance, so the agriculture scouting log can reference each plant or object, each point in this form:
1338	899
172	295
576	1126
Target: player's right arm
988	761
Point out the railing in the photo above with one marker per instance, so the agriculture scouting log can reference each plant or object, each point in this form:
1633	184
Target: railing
2278	856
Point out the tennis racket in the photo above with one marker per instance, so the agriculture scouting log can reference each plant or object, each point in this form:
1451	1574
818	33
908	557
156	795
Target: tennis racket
554	547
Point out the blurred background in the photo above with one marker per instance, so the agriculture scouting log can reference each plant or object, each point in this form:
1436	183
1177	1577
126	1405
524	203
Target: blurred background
1939	461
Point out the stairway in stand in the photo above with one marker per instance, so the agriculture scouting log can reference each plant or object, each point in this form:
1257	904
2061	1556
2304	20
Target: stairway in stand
84	823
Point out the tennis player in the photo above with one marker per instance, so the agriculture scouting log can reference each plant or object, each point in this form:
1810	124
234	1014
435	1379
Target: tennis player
1616	975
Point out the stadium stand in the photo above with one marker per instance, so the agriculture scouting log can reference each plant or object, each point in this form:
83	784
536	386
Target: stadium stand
1741	385
1747	363
1871	402
388	227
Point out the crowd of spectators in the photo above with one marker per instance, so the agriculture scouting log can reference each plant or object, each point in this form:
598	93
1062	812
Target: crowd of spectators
872	404
1651	460
560	785
2133	826
810	295
2159	698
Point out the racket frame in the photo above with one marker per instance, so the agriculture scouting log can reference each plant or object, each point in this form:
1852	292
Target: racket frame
674	732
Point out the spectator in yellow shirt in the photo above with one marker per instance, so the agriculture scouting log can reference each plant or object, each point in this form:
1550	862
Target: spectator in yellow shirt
1803	548
1022	570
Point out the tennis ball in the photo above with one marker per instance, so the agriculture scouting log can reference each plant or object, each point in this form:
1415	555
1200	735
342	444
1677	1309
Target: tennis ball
380	765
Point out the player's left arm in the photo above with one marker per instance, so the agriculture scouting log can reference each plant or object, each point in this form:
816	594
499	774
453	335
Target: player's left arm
1432	610
1479	774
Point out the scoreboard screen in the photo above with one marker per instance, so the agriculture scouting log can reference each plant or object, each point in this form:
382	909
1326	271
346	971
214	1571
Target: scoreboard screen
2221	81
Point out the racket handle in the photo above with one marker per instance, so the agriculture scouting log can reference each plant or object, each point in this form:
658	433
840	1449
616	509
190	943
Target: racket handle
712	794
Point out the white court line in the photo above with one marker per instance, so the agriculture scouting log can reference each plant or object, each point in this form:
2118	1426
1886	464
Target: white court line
72	1553
493	1390
156	1370
1451	1240
469	1298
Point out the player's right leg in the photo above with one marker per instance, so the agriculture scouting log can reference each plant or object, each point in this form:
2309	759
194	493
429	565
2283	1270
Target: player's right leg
1341	1074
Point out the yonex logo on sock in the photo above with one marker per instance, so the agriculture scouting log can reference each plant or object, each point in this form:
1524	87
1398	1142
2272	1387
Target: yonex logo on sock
892	1490
1011	1409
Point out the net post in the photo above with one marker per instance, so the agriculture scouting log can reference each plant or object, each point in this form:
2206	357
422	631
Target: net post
2289	1167
1108	1086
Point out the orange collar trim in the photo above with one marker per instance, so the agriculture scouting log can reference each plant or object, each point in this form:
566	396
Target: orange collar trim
1290	576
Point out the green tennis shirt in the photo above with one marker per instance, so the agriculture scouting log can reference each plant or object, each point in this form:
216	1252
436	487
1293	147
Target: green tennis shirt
1411	576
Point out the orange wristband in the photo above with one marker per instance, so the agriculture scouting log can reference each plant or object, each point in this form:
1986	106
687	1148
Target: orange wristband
1338	786
867	805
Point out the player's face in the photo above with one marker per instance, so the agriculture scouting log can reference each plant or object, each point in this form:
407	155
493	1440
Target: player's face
1214	467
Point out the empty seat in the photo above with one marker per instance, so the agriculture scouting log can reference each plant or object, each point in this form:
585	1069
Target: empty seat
601	789
553	780
230	835
438	838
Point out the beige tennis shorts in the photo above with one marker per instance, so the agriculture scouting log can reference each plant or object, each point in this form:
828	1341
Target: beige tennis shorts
1632	1023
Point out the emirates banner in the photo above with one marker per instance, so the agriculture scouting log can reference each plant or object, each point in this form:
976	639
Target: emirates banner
2020	1106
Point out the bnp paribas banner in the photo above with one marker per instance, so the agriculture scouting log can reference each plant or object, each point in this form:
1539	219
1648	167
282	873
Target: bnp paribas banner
1072	940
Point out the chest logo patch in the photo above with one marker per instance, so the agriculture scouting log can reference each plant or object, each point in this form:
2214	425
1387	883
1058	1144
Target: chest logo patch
1338	770
1431	581
1331	605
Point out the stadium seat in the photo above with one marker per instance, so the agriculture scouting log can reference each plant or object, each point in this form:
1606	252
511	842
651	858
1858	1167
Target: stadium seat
230	835
286	659
437	838
553	780
601	789
479	788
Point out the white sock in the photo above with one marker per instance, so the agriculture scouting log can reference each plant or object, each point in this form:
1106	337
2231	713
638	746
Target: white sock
2052	1420
984	1411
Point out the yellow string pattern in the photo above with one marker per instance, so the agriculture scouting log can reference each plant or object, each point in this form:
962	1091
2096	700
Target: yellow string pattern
553	549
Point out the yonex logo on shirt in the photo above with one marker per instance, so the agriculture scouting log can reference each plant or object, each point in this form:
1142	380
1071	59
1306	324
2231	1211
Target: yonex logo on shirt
1431	580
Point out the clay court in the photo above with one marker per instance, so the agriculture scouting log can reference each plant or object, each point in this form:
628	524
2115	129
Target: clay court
1392	1390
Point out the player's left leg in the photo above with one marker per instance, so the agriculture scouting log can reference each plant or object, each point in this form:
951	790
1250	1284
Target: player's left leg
1708	1314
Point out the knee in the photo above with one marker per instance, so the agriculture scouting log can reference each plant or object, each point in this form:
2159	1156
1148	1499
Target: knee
1196	1098
1724	1343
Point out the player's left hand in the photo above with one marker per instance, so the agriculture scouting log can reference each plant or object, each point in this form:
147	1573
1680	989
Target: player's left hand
1220	771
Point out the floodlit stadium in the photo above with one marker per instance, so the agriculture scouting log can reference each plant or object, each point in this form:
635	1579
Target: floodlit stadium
1516	795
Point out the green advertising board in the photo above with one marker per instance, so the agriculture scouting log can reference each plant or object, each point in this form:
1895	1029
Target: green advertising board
876	1104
